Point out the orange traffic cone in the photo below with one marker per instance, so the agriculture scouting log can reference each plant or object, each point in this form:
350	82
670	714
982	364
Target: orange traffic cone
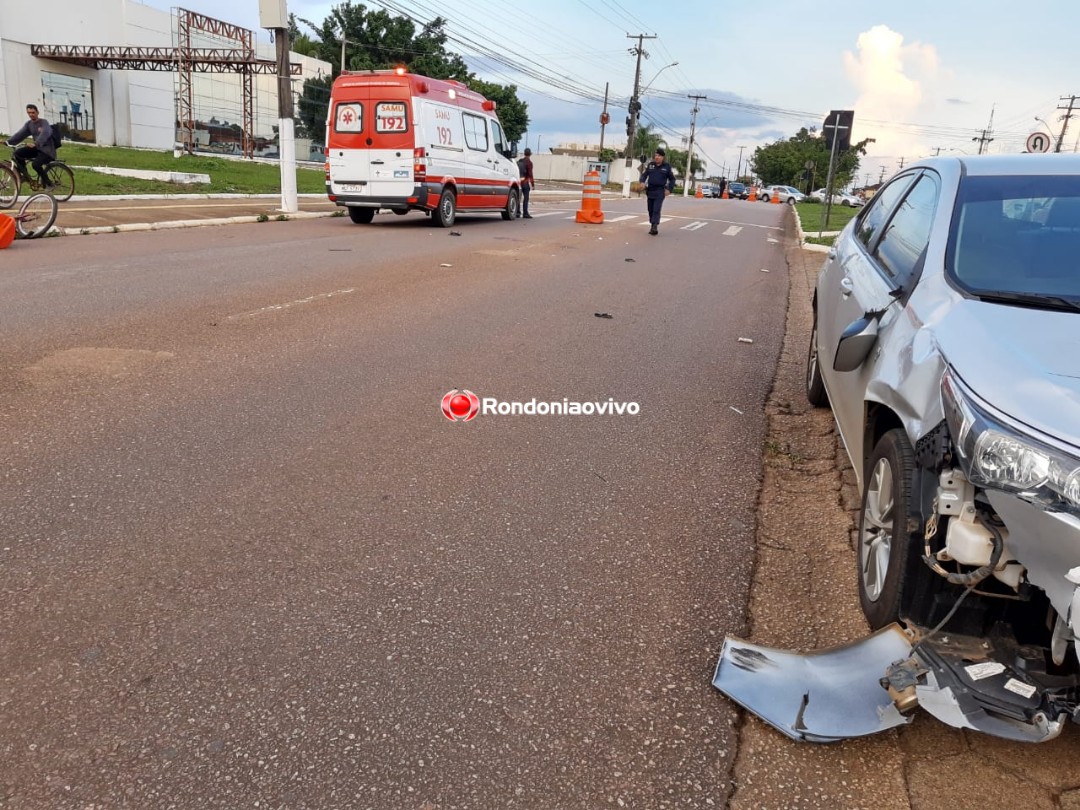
775	198
753	194
590	212
724	194
699	195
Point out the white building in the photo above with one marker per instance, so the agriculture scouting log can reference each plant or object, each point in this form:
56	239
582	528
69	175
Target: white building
119	107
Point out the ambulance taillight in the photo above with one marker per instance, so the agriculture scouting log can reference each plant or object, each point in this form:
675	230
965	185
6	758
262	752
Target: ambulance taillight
419	165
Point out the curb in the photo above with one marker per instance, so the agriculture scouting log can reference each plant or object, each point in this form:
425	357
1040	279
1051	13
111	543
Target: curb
184	223
221	196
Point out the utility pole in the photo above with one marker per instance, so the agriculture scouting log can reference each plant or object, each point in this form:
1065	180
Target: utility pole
738	166
604	118
274	15
635	107
690	151
901	162
882	178
985	138
343	41
1065	122
937	150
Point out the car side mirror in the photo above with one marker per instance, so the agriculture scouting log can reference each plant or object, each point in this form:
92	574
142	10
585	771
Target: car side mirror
855	343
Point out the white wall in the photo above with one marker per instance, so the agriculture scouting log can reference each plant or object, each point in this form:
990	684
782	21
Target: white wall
131	108
572	169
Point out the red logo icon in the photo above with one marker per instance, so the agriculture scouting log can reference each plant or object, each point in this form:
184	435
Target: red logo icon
460	406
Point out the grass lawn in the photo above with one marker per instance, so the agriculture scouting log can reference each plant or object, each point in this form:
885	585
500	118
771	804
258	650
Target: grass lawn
226	176
811	214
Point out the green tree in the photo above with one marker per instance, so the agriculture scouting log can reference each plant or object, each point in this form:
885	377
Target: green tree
513	112
784	161
376	40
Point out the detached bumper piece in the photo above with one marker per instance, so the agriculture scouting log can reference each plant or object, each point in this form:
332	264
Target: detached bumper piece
966	685
874	684
823	696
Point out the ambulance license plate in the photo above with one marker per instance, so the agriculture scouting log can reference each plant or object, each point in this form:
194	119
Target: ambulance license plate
351	186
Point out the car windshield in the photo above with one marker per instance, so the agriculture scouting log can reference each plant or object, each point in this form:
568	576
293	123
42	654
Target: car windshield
1017	235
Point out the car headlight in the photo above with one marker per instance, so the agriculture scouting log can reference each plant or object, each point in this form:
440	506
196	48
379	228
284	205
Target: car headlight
998	455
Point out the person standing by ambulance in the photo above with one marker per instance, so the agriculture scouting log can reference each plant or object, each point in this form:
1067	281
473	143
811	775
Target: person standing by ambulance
525	169
659	181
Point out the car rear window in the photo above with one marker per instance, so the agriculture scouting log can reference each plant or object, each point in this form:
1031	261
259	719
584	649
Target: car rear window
1017	234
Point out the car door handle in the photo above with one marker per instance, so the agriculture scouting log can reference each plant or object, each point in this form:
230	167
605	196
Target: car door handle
847	287
376	163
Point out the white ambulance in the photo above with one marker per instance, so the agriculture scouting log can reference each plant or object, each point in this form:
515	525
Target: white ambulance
404	142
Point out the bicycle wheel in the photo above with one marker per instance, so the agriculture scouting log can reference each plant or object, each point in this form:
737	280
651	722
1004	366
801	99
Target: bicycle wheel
36	215
62	179
9	187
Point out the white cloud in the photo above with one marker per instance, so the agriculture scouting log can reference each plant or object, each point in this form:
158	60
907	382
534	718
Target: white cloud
890	78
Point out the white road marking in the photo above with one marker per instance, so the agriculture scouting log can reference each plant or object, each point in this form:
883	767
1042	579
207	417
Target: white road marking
546	214
693	226
623	218
279	307
732	230
661	222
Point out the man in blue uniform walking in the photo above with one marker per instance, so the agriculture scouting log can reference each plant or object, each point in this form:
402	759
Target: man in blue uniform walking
659	181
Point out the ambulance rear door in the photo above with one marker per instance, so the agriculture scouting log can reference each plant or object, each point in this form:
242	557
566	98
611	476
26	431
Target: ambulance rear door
372	142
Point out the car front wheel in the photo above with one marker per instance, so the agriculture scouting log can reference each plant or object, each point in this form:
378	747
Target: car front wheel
886	540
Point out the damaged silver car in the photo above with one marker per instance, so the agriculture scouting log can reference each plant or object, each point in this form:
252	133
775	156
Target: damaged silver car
947	342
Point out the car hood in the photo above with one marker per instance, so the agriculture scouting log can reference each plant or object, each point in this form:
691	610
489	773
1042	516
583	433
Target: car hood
1024	362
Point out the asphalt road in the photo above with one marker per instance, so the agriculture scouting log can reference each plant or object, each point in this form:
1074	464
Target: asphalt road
246	561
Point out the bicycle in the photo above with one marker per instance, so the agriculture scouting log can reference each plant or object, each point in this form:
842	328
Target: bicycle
60	176
36	216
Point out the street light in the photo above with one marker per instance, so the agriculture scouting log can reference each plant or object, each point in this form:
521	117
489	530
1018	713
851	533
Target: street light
654	78
1049	131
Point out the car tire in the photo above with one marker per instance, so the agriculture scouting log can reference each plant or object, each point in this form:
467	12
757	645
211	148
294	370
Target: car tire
361	216
447	211
886	540
815	385
513	205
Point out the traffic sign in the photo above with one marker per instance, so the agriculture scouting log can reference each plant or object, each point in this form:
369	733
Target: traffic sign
1038	142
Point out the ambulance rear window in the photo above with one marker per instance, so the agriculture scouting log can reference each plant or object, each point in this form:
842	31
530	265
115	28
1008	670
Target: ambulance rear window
349	117
391	116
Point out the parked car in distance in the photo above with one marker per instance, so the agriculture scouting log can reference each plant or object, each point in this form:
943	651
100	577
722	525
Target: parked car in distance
943	321
838	198
707	189
737	191
787	194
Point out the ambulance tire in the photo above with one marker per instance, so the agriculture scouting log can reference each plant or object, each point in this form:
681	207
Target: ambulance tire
361	216
513	204
447	212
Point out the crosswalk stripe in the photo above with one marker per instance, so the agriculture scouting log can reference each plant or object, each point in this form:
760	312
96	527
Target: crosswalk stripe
693	226
662	221
546	214
731	231
623	218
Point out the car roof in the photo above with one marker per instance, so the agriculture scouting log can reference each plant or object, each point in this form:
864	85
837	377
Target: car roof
1022	164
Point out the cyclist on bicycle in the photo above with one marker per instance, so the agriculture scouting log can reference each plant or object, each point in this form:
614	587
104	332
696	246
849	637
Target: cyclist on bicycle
41	152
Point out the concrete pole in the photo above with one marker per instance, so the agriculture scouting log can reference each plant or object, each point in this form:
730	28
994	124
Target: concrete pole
286	137
690	150
634	101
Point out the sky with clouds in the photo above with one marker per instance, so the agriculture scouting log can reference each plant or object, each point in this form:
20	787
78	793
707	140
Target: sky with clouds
921	76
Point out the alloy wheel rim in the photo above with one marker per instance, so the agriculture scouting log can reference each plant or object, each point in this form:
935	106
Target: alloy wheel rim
876	530
811	365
